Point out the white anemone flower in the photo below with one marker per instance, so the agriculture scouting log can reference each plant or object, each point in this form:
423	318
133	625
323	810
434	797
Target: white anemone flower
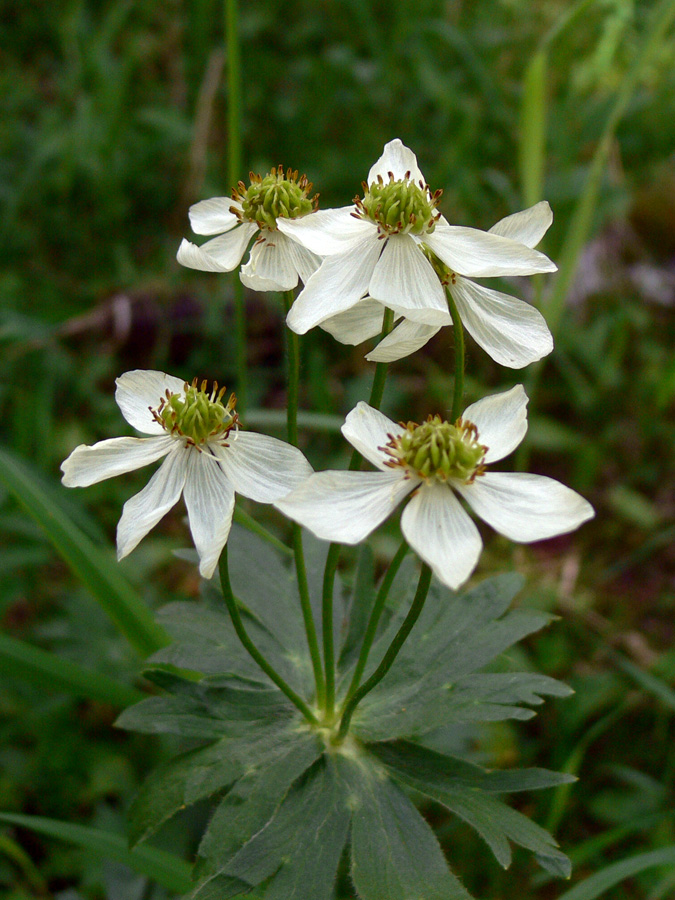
511	331
380	247
206	458
435	462
275	262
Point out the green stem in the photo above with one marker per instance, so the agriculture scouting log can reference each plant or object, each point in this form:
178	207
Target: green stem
376	613
458	329
233	175
390	655
376	393
327	620
248	644
293	380
380	376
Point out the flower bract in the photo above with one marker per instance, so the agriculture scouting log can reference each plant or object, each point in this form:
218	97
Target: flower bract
206	458
275	262
376	248
438	462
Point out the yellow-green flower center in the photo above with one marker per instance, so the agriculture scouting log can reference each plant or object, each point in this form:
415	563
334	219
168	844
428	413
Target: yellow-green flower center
276	195
197	414
399	207
438	450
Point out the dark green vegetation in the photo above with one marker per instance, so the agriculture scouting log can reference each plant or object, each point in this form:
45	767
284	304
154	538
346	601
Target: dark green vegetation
113	123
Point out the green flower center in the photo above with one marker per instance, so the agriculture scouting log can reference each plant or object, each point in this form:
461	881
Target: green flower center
276	195
399	207
197	414
438	450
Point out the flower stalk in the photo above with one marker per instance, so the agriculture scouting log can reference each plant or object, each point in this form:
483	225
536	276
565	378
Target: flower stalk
293	378
250	647
391	654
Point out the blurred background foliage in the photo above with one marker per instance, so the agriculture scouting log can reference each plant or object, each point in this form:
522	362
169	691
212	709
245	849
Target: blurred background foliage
114	122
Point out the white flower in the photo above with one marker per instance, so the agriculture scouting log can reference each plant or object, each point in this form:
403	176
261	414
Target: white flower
206	458
436	461
275	262
376	248
512	332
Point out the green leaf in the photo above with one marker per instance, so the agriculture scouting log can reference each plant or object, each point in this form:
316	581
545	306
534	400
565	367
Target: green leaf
466	790
162	867
413	761
614	874
395	854
205	710
251	803
179	783
51	672
433	682
100	575
302	843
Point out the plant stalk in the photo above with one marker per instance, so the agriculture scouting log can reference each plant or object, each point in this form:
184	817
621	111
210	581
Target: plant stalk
376	394
390	655
293	381
250	647
233	175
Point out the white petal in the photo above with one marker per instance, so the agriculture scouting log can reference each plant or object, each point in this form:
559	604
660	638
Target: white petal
368	430
527	227
209	498
526	507
513	332
270	265
405	280
405	339
89	465
327	231
222	254
346	506
469	251
339	283
140	389
399	160
143	511
362	321
261	467
303	261
501	421
213	216
441	532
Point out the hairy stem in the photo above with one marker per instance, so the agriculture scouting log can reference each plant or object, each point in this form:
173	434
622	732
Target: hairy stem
248	644
375	615
233	175
390	655
293	380
458	330
376	393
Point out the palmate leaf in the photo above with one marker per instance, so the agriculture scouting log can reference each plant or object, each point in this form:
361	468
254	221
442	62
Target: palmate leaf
395	854
468	791
288	800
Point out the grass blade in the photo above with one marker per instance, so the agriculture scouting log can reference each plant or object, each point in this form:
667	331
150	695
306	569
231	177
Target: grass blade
164	868
614	874
52	672
97	572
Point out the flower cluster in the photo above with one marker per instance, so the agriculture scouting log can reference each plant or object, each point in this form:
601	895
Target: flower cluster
390	250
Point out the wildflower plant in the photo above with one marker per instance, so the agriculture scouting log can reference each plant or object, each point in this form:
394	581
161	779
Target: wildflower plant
316	712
